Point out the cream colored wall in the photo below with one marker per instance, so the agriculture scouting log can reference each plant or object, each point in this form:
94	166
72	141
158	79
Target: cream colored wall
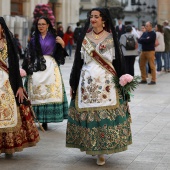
5	6
89	5
163	11
29	6
67	12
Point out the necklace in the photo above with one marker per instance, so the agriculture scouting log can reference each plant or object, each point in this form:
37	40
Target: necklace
97	36
98	32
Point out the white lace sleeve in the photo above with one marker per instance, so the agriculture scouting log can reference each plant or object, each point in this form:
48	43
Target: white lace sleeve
85	56
112	53
108	54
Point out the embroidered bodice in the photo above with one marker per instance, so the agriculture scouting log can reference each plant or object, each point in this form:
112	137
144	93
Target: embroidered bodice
105	48
3	53
96	88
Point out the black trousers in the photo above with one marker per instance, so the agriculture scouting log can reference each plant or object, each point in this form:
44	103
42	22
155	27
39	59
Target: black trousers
129	64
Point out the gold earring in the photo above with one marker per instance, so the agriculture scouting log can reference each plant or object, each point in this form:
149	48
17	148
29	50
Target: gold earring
103	25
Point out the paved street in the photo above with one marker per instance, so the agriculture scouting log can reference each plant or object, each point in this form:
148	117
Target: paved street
150	109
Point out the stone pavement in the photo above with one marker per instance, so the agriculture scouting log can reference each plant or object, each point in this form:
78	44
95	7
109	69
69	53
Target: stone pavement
150	109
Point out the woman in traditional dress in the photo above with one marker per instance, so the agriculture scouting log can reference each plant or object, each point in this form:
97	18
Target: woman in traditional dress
17	128
99	119
45	85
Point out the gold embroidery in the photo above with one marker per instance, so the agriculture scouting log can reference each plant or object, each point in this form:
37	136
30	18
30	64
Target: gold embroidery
3	54
10	119
93	91
96	115
88	47
105	139
53	91
7	107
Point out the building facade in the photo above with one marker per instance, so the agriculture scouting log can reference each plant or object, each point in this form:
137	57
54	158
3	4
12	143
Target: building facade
137	12
19	14
163	10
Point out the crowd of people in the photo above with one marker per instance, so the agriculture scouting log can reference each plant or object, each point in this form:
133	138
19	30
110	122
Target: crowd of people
98	114
152	47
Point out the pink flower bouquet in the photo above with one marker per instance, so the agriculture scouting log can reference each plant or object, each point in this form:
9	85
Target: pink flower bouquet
124	79
22	72
126	83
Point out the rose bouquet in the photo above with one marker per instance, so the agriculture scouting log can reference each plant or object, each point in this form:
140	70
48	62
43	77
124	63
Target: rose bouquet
126	83
22	72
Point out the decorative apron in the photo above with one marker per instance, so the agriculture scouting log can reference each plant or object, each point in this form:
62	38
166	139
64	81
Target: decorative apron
9	116
17	126
96	89
45	87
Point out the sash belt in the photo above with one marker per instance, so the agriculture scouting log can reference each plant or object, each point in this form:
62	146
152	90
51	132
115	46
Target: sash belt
97	56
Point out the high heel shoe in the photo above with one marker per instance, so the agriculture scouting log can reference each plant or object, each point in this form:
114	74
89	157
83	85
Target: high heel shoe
100	160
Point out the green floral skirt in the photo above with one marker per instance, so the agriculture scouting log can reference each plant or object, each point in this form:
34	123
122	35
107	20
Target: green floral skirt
49	113
52	112
104	131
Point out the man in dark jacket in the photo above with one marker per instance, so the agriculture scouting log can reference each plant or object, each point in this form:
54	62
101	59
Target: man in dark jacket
77	32
148	53
120	29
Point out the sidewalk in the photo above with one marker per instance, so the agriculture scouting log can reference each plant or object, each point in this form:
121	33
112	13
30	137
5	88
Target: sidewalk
150	150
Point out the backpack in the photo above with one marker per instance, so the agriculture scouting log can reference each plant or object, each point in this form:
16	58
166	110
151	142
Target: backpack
130	42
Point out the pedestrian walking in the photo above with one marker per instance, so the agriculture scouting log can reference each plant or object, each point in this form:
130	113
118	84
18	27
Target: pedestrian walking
129	53
77	32
166	54
99	119
148	53
60	32
120	28
17	126
159	46
45	85
68	39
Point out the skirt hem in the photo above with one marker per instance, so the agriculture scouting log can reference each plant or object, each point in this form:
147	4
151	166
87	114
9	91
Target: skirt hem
101	151
21	148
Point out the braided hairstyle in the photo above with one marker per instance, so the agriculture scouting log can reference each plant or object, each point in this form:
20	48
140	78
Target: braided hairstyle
118	63
13	62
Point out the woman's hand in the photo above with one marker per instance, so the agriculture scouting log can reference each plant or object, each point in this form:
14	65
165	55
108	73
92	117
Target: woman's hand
60	41
20	95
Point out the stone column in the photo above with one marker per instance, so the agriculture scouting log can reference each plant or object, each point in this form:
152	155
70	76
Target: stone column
163	11
58	12
5	7
67	12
